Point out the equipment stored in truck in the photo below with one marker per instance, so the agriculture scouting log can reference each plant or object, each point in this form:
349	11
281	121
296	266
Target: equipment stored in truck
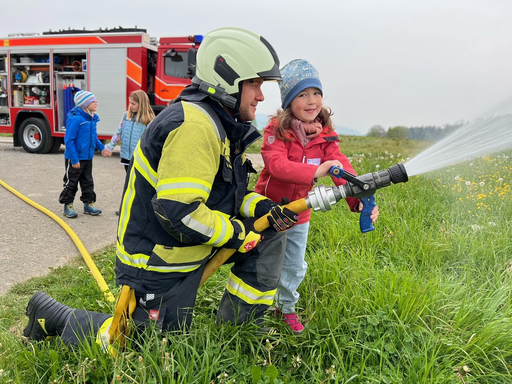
39	74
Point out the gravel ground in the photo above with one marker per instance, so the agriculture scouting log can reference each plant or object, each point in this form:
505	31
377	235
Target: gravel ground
32	243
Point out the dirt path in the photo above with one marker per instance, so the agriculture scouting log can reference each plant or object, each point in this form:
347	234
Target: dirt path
31	243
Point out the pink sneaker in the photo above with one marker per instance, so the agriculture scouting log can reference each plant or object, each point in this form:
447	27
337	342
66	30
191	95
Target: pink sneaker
292	319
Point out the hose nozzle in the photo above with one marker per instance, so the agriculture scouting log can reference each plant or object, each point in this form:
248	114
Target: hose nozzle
398	174
321	198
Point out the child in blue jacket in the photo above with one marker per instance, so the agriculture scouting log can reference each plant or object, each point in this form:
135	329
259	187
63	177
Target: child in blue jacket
81	140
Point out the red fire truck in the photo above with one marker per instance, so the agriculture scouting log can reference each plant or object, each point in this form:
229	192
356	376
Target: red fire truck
40	73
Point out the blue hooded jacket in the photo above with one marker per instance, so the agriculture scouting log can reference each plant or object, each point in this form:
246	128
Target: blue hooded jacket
81	139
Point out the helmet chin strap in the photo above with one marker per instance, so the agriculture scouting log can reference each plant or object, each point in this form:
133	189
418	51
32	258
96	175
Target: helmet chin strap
217	93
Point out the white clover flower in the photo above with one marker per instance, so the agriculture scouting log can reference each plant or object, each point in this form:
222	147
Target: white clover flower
296	361
482	183
500	179
457	177
377	166
476	227
468	182
222	377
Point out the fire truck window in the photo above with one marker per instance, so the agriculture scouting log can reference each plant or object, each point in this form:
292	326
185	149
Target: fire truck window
177	68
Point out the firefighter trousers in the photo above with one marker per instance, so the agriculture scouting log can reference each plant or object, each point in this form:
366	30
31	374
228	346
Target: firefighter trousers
250	290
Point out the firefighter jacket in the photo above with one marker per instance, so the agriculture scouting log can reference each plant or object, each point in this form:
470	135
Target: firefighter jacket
187	179
290	167
129	133
81	138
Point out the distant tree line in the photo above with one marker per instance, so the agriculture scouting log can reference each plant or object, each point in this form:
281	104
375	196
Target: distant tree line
424	133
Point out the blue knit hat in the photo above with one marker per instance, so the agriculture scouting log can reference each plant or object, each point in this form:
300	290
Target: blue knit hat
83	99
296	76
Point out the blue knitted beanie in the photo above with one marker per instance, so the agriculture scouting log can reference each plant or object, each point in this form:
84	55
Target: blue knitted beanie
83	99
296	76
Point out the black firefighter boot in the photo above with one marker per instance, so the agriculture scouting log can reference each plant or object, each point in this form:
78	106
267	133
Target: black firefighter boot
46	317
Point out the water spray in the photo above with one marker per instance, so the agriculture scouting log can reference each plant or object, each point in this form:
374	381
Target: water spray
489	133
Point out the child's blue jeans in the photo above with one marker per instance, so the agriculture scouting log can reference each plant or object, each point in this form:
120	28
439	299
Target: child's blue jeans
294	268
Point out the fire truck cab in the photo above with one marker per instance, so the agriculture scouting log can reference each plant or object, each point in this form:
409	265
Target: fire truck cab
39	75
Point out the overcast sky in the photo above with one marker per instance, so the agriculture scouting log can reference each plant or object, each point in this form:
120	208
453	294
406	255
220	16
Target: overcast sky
386	62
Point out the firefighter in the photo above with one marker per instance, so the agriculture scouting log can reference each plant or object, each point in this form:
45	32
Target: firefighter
186	195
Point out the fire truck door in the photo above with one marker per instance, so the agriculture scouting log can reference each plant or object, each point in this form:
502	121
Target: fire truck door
107	74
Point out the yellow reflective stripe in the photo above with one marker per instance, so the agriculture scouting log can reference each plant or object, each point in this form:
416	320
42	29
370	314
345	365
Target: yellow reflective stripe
183	185
181	269
197	226
138	260
220	233
129	196
223	232
142	165
249	204
141	262
103	337
250	295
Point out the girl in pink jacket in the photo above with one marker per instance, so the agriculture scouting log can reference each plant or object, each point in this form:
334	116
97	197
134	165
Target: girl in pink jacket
299	146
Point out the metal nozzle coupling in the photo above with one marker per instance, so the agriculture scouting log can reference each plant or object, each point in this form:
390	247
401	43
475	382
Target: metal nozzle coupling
322	198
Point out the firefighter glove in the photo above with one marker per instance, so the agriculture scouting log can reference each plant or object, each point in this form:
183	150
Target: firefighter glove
245	237
282	218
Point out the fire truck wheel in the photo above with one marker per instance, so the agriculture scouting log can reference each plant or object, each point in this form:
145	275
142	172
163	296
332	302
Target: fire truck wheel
35	136
57	142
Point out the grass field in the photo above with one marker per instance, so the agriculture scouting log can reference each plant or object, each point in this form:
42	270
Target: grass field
424	298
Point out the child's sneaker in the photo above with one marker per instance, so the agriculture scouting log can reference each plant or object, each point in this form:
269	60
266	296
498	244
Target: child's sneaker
90	210
292	319
69	211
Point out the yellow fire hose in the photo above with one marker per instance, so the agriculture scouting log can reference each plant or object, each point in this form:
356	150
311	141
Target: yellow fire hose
88	260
